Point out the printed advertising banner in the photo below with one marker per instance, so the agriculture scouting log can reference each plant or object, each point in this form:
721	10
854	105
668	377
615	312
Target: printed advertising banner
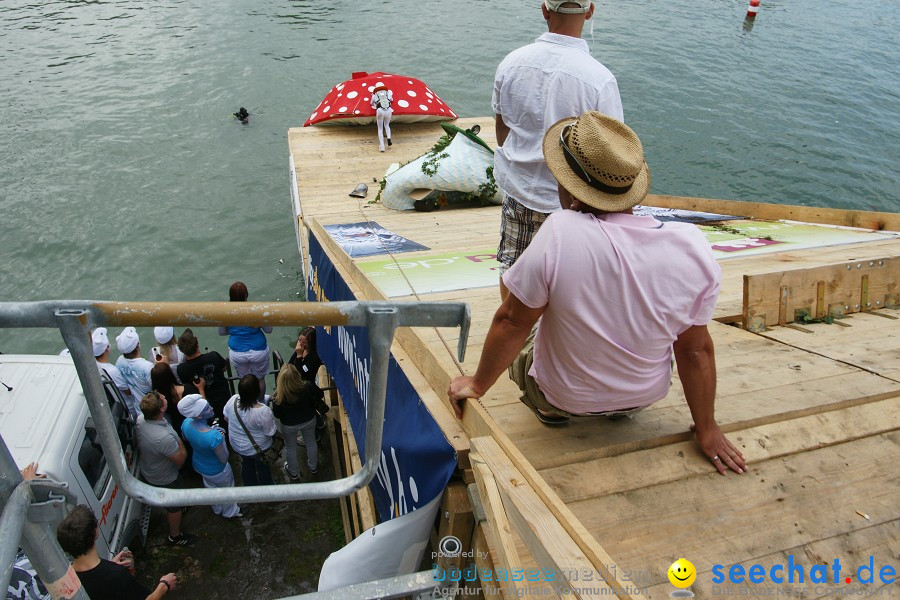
416	459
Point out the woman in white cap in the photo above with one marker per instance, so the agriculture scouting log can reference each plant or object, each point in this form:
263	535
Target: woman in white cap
248	348
382	101
210	456
168	348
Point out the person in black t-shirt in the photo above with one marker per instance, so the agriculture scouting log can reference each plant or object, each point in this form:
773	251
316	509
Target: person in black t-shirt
103	579
305	357
294	405
210	366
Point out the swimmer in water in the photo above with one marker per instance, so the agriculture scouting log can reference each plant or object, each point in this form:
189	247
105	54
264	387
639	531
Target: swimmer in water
242	115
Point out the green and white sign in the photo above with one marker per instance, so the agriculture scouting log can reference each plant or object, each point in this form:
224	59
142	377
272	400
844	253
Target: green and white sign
426	274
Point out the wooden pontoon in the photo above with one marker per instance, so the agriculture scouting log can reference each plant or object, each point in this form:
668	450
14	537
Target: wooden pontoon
815	407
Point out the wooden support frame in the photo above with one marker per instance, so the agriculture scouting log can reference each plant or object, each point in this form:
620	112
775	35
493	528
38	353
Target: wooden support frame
545	537
506	557
831	291
455	519
364	501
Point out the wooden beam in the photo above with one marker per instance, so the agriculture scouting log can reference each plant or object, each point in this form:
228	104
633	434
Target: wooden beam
455	519
367	517
543	534
507	557
877	221
590	479
834	290
485	562
348	467
336	463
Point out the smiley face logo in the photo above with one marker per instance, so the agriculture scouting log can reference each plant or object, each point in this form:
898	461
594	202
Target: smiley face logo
682	573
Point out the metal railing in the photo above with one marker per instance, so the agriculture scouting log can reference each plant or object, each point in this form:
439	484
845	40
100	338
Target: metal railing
75	319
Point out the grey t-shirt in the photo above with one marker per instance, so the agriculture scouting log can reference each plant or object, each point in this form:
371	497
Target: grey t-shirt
156	442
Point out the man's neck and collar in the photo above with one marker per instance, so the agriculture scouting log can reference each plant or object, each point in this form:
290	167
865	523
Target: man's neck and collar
569	25
87	561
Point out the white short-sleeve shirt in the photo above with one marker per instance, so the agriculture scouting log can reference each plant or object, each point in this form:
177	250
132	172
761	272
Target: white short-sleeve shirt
260	423
619	289
535	86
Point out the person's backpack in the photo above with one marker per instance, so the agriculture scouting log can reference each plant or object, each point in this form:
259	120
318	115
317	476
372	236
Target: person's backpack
382	99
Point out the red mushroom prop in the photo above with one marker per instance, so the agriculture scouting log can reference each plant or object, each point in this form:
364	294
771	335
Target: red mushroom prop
348	103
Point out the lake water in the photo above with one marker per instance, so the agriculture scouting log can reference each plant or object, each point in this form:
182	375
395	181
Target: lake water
124	176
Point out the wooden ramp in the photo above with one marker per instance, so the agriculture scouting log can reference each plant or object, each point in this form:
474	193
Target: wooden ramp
815	410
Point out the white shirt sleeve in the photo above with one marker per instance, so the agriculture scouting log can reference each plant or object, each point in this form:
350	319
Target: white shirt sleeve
267	420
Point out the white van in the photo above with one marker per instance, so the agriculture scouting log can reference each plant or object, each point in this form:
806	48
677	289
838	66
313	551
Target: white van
45	419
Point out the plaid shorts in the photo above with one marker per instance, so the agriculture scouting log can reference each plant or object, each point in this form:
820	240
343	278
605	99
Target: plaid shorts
518	224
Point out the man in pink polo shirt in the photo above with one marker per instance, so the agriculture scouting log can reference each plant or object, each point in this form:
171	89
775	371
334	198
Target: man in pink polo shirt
617	295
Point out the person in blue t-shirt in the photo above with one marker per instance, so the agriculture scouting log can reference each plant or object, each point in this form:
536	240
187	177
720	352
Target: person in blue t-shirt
248	348
210	458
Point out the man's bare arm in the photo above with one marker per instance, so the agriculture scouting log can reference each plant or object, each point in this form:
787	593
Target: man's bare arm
180	455
500	129
696	360
510	328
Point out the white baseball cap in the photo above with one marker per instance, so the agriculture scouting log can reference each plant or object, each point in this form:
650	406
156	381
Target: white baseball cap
192	406
128	340
100	341
163	334
557	6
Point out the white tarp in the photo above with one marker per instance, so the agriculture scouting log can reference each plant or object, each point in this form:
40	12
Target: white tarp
386	550
464	170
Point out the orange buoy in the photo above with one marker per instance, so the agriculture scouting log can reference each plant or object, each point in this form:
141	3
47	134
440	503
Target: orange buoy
752	9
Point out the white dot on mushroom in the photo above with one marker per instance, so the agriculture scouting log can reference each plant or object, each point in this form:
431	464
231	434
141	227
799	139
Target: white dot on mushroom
403	103
352	95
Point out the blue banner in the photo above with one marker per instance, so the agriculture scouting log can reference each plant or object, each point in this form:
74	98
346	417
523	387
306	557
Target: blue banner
416	459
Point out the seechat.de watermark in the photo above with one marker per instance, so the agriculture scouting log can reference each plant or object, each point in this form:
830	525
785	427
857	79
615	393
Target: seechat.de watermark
791	579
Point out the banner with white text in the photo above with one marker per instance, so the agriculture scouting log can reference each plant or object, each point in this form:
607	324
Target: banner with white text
416	459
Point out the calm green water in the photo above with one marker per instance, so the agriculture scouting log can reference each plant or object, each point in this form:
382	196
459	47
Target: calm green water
124	177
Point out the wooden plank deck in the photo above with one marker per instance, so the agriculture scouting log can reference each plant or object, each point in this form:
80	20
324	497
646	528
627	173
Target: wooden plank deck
817	412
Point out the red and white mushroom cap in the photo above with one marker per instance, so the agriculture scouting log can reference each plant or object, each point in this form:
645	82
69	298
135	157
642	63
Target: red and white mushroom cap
349	102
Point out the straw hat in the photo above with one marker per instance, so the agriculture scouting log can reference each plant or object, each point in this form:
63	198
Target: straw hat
599	160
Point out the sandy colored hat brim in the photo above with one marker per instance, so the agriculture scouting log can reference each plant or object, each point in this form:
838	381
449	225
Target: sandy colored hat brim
556	160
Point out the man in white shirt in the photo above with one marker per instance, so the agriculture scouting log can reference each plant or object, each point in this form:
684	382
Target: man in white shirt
535	86
100	343
134	369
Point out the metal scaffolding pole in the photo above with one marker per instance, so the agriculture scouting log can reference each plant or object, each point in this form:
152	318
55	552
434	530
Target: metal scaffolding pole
38	539
75	318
